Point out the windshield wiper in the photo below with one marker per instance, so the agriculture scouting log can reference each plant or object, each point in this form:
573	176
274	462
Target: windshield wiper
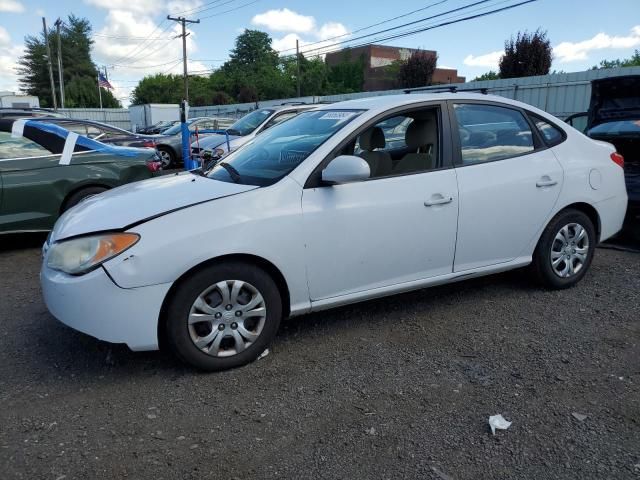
233	173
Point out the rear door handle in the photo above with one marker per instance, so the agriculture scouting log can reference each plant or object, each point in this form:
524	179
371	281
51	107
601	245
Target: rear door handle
438	199
546	181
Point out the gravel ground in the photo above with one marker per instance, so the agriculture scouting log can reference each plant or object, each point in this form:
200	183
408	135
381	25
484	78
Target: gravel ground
393	388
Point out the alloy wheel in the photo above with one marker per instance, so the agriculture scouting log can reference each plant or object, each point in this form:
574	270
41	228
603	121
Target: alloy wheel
569	250
165	157
227	318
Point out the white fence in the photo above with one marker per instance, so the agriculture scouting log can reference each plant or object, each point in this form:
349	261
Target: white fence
118	117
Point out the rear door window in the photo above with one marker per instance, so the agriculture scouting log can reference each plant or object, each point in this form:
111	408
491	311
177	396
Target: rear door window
20	147
489	132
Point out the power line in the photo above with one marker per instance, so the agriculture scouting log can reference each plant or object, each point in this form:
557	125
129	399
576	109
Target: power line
189	11
449	22
200	9
370	26
464	7
139	48
230	10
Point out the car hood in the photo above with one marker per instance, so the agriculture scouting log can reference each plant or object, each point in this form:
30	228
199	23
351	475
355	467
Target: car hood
212	141
137	202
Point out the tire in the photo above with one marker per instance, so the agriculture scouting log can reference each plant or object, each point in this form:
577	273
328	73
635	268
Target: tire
223	350
564	244
80	195
167	156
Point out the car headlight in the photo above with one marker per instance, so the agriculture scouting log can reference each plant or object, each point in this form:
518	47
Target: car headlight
81	255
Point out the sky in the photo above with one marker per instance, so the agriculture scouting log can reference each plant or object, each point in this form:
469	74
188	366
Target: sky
133	38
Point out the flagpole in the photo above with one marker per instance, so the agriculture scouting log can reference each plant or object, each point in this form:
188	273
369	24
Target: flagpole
99	90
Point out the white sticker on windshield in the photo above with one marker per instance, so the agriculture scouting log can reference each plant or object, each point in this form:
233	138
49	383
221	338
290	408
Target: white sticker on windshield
69	146
17	129
337	115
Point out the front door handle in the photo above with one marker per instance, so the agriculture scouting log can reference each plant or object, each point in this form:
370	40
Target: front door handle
438	199
546	181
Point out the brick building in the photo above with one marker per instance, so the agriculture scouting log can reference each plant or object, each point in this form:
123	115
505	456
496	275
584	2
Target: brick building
377	57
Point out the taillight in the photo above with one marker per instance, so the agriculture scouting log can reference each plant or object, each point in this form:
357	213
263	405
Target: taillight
154	165
149	144
617	158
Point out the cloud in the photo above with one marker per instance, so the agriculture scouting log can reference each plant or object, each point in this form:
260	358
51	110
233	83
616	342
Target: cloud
284	20
488	60
295	25
139	6
12	6
9	55
39	12
566	52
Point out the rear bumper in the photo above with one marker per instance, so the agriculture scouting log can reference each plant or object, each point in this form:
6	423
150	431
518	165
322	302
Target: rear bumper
612	214
94	305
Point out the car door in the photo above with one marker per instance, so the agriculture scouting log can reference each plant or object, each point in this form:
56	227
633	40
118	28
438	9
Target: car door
28	199
387	230
508	182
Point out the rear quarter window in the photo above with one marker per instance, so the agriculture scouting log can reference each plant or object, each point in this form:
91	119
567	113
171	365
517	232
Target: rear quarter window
551	134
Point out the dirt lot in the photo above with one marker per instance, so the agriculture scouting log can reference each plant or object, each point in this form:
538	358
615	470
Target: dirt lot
392	388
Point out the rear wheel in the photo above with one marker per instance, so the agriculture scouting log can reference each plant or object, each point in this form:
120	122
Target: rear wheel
224	316
80	195
565	249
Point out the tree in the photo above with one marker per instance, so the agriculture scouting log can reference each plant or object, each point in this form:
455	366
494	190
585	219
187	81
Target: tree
490	75
80	73
418	70
348	75
633	61
158	88
526	55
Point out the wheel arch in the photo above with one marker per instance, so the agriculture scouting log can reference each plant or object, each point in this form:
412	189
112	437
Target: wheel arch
590	211
79	188
250	259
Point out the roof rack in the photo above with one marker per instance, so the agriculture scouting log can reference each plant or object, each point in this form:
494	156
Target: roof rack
483	90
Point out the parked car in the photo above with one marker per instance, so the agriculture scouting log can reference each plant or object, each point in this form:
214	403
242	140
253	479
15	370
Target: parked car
169	144
294	222
215	146
158	127
44	171
7	112
614	117
104	133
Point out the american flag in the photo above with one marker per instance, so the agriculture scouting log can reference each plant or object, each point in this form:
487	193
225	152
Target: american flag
103	82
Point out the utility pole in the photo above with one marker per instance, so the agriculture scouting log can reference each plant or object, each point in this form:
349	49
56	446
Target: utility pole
60	77
298	65
189	164
183	21
53	86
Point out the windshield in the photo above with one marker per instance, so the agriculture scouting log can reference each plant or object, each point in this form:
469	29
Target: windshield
249	123
621	127
273	154
176	128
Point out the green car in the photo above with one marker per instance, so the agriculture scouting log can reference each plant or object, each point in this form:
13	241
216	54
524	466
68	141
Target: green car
45	170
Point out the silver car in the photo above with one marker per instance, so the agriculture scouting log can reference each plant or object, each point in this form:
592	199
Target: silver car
169	144
213	147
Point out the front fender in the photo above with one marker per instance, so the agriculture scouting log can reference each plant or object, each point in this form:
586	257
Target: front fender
265	222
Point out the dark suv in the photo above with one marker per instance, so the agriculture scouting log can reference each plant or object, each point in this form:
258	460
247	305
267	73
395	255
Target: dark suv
614	117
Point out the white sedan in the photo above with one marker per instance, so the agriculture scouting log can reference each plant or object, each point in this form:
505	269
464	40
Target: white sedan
343	203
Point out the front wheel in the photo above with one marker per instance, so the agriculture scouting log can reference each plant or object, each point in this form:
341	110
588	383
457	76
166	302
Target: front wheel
565	249
223	316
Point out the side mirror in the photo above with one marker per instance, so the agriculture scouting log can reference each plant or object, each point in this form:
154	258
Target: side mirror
345	169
